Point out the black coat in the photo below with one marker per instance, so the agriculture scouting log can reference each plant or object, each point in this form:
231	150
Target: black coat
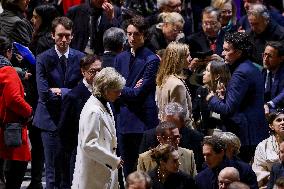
199	42
273	32
16	27
179	180
80	15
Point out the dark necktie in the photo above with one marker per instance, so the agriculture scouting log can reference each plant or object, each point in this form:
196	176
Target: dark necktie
268	86
63	62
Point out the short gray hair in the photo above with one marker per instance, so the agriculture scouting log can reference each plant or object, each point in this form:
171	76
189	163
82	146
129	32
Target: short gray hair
107	79
161	3
231	138
259	10
212	11
174	108
114	39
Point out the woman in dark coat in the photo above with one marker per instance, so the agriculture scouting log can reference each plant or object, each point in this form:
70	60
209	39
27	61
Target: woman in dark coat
42	18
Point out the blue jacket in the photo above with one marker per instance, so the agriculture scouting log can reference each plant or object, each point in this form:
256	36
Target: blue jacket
277	87
72	106
50	75
137	109
276	172
242	109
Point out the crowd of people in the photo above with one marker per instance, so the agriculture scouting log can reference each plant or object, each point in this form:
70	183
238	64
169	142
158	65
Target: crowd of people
162	94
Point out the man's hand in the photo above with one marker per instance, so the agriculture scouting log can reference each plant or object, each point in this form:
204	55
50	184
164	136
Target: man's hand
266	109
56	91
108	8
139	83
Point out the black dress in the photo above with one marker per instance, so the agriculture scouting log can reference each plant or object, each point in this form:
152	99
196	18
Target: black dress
179	180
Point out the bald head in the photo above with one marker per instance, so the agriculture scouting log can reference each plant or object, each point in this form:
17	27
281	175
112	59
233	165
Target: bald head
227	176
238	185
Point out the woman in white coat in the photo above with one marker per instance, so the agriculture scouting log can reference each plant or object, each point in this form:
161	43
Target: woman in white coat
96	161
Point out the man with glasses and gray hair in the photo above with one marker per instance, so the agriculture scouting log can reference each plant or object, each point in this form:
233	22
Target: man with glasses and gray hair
263	29
191	139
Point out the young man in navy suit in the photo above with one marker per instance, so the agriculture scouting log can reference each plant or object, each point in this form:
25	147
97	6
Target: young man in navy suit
57	72
137	110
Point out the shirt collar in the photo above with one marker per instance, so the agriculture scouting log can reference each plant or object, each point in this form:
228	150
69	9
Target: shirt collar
59	54
89	87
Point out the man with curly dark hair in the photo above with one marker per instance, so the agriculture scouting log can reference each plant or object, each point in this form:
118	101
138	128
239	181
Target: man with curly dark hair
242	109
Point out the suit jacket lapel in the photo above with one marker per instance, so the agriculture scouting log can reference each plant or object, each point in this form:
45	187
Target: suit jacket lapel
107	118
57	67
274	86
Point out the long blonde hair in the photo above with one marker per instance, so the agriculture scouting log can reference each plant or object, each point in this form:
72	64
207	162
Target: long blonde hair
172	63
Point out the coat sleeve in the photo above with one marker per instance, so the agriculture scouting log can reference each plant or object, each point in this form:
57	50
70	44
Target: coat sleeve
20	33
259	165
91	145
140	164
12	94
149	82
43	88
237	89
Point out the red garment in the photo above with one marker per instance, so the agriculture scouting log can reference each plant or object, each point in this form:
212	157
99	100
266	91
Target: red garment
69	3
12	101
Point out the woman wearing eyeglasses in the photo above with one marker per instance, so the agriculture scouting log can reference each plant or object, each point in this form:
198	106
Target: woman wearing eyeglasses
267	151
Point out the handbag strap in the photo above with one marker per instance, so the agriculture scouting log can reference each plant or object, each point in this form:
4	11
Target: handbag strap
186	87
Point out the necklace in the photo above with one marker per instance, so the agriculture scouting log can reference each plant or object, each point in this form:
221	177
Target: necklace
161	176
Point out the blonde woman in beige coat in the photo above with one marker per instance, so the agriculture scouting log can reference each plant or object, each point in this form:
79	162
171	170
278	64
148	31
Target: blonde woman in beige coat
96	161
170	79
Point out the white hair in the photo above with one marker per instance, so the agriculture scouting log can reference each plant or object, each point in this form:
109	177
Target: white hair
108	78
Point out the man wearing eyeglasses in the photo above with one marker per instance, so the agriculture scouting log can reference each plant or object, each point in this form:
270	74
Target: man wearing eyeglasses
273	74
168	133
211	37
263	29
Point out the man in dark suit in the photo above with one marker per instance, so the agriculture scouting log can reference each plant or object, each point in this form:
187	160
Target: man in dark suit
214	150
57	72
91	19
273	74
211	37
137	110
242	109
72	106
190	139
113	40
263	29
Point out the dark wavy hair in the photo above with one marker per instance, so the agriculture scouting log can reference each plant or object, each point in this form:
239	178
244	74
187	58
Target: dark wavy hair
5	44
47	14
240	41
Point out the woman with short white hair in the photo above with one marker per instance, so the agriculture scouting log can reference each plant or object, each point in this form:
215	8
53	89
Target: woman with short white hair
169	29
96	161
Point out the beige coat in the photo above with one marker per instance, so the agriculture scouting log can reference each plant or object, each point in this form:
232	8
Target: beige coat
96	161
173	90
186	158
